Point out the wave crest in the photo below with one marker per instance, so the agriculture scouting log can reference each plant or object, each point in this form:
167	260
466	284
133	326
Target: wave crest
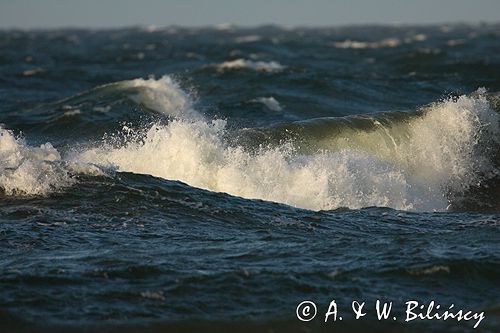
410	161
260	66
417	163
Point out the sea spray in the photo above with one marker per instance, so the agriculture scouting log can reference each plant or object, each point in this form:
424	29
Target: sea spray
26	170
407	161
437	152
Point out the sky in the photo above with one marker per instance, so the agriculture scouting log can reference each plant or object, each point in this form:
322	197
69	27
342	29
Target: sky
118	13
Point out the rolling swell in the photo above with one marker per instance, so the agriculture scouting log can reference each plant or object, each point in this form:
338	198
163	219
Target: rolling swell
442	156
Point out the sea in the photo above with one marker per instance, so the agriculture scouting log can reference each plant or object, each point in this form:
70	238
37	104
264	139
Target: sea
237	179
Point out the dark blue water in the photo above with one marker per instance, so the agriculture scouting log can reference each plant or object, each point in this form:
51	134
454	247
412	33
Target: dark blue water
174	179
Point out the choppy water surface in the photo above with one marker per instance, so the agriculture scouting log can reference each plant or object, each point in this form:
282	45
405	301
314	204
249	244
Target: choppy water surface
172	179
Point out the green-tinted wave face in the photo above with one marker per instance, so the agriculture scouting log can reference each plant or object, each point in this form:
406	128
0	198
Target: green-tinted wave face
427	159
453	144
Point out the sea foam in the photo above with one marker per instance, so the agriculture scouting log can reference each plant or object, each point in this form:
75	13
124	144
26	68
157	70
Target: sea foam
26	170
260	66
384	43
415	165
441	152
270	102
163	95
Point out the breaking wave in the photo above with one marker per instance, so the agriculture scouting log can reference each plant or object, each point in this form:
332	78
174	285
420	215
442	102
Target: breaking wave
424	160
260	66
384	43
162	95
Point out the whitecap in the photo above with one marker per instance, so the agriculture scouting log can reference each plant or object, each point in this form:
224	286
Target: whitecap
247	39
26	170
353	44
270	102
261	66
441	152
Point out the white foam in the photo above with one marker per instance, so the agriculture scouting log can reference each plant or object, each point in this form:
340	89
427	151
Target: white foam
419	37
455	42
270	102
384	43
163	95
194	152
442	153
226	26
439	152
102	109
72	113
26	170
261	66
32	72
415	38
247	39
447	144
352	44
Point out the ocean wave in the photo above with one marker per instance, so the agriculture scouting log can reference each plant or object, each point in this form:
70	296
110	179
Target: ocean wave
248	39
270	102
353	44
260	66
408	161
430	270
163	95
26	170
410	164
384	43
455	42
195	153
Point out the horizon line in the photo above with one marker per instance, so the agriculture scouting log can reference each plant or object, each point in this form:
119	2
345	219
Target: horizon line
228	26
